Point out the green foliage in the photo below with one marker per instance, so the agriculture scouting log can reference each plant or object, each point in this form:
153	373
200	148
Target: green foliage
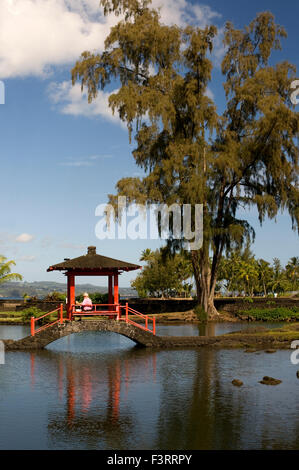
27	313
272	314
32	298
241	272
26	297
164	275
98	298
201	314
5	271
292	272
55	297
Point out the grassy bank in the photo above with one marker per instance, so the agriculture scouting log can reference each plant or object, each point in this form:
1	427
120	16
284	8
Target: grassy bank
23	317
260	338
270	314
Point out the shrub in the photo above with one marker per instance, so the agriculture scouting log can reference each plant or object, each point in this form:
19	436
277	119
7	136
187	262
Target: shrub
55	297
201	314
98	298
272	314
27	313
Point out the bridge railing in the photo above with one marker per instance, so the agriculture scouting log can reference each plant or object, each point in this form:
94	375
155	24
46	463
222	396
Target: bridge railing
143	322
147	323
96	310
34	320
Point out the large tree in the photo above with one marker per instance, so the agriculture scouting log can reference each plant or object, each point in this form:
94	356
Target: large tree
246	157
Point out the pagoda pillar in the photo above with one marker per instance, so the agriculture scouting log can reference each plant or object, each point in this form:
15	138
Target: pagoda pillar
110	293
70	294
116	296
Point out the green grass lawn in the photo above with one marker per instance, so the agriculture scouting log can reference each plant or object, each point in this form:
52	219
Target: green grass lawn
10	314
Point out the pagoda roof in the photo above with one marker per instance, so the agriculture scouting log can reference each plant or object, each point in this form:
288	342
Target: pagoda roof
93	262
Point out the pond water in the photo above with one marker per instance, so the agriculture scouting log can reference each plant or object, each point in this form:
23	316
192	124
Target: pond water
210	329
168	329
97	390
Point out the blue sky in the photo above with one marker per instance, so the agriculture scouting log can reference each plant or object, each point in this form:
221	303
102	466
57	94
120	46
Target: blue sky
60	157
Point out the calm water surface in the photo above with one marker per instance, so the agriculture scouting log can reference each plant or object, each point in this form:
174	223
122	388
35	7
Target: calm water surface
97	390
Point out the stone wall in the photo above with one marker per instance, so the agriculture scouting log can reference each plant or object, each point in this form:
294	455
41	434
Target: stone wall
231	305
148	306
10	305
45	306
156	306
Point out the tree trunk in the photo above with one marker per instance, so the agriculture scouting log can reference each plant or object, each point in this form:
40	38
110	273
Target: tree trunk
208	291
207	303
265	290
205	291
196	271
201	263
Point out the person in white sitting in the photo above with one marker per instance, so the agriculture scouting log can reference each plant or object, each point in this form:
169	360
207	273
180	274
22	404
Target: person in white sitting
87	303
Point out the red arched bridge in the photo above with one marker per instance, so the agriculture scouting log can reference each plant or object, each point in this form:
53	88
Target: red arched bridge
53	325
141	329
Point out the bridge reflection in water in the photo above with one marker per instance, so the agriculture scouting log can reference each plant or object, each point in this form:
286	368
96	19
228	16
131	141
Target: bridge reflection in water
84	383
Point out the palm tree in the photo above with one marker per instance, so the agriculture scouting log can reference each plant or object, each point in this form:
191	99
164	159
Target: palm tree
248	272
280	282
266	274
292	270
5	271
147	255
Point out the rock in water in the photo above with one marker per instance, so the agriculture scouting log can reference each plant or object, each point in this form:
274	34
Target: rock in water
270	381
237	383
271	351
297	374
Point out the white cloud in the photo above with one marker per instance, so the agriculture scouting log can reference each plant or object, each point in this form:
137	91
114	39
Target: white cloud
210	94
100	157
183	12
219	48
36	35
70	100
85	161
77	164
24	238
